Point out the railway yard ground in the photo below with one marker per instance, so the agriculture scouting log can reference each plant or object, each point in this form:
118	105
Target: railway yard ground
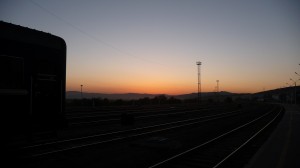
185	135
282	149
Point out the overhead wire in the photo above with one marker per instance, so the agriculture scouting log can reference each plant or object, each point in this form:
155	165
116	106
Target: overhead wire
93	37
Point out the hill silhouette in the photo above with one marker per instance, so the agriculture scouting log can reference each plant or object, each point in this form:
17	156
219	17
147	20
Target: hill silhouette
132	96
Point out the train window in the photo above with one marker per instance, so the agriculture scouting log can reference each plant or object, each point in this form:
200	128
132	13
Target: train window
11	72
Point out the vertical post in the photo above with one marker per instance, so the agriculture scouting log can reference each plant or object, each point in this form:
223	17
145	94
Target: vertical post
199	81
218	90
81	92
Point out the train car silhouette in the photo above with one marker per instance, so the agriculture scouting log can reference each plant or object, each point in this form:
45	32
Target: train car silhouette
32	85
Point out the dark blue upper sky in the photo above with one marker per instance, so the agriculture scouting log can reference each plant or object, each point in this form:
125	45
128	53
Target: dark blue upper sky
152	46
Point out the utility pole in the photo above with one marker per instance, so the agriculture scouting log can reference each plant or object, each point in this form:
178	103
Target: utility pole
199	81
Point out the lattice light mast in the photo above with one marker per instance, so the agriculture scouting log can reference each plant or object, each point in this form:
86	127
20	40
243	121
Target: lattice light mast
199	80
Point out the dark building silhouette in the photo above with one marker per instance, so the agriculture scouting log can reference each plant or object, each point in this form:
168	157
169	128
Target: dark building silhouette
32	85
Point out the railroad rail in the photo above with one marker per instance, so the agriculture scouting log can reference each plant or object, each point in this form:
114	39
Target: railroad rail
217	151
100	118
154	143
44	149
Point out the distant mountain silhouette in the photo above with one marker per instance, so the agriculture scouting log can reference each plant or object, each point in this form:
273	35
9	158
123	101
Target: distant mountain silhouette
132	96
203	94
285	90
125	96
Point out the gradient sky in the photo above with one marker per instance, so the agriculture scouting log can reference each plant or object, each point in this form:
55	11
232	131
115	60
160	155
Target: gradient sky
152	46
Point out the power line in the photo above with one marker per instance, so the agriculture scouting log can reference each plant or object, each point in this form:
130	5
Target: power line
93	37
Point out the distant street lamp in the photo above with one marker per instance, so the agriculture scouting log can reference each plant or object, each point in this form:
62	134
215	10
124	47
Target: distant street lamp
199	81
218	91
81	91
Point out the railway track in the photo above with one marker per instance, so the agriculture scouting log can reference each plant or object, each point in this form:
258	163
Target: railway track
114	117
135	147
40	150
219	151
132	109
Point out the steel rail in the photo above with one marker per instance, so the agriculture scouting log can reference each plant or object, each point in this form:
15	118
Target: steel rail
246	142
163	110
182	123
210	141
146	116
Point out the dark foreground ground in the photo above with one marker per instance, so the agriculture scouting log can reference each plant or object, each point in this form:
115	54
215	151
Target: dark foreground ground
282	149
145	151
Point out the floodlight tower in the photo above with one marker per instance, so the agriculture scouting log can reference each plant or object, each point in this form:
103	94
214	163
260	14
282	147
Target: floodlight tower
199	81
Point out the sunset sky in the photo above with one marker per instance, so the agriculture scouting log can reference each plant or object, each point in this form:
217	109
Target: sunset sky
151	46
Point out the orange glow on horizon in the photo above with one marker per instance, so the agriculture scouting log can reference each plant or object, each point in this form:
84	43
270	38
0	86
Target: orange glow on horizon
164	83
135	88
159	88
